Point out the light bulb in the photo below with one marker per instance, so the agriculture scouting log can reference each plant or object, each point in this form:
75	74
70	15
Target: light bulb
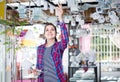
51	9
45	5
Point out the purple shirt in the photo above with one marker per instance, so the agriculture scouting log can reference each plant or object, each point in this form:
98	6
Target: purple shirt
56	53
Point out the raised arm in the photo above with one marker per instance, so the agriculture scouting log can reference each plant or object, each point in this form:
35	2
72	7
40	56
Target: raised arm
64	33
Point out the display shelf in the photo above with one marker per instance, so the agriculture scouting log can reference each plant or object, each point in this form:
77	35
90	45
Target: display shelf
109	80
83	81
72	71
110	71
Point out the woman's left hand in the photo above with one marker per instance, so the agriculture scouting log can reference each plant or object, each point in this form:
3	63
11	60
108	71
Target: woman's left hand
59	11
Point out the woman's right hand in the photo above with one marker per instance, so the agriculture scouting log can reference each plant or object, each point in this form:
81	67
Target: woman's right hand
32	71
37	72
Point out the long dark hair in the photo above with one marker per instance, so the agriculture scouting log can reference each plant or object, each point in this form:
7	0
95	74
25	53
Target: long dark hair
54	28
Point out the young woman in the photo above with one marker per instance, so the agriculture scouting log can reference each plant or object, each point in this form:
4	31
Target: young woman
49	55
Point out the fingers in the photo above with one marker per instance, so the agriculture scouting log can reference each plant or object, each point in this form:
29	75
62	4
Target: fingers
59	12
60	6
57	8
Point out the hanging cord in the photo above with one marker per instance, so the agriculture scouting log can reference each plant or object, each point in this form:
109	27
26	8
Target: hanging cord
34	3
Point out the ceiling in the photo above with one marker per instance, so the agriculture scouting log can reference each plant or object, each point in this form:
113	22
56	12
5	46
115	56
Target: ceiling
85	7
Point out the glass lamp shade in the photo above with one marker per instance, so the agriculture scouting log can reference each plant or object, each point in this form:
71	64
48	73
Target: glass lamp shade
114	19
95	15
22	10
101	19
35	14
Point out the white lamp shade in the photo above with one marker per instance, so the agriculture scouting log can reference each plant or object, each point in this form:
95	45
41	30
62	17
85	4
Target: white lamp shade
29	39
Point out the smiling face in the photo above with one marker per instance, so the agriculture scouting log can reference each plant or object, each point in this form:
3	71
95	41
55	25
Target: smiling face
50	32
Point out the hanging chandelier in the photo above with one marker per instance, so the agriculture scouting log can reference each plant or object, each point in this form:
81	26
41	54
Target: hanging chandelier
106	11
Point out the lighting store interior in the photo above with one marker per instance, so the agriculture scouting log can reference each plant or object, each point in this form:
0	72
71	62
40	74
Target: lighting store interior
93	50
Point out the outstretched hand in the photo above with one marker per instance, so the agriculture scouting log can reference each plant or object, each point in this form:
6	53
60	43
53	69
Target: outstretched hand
59	12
